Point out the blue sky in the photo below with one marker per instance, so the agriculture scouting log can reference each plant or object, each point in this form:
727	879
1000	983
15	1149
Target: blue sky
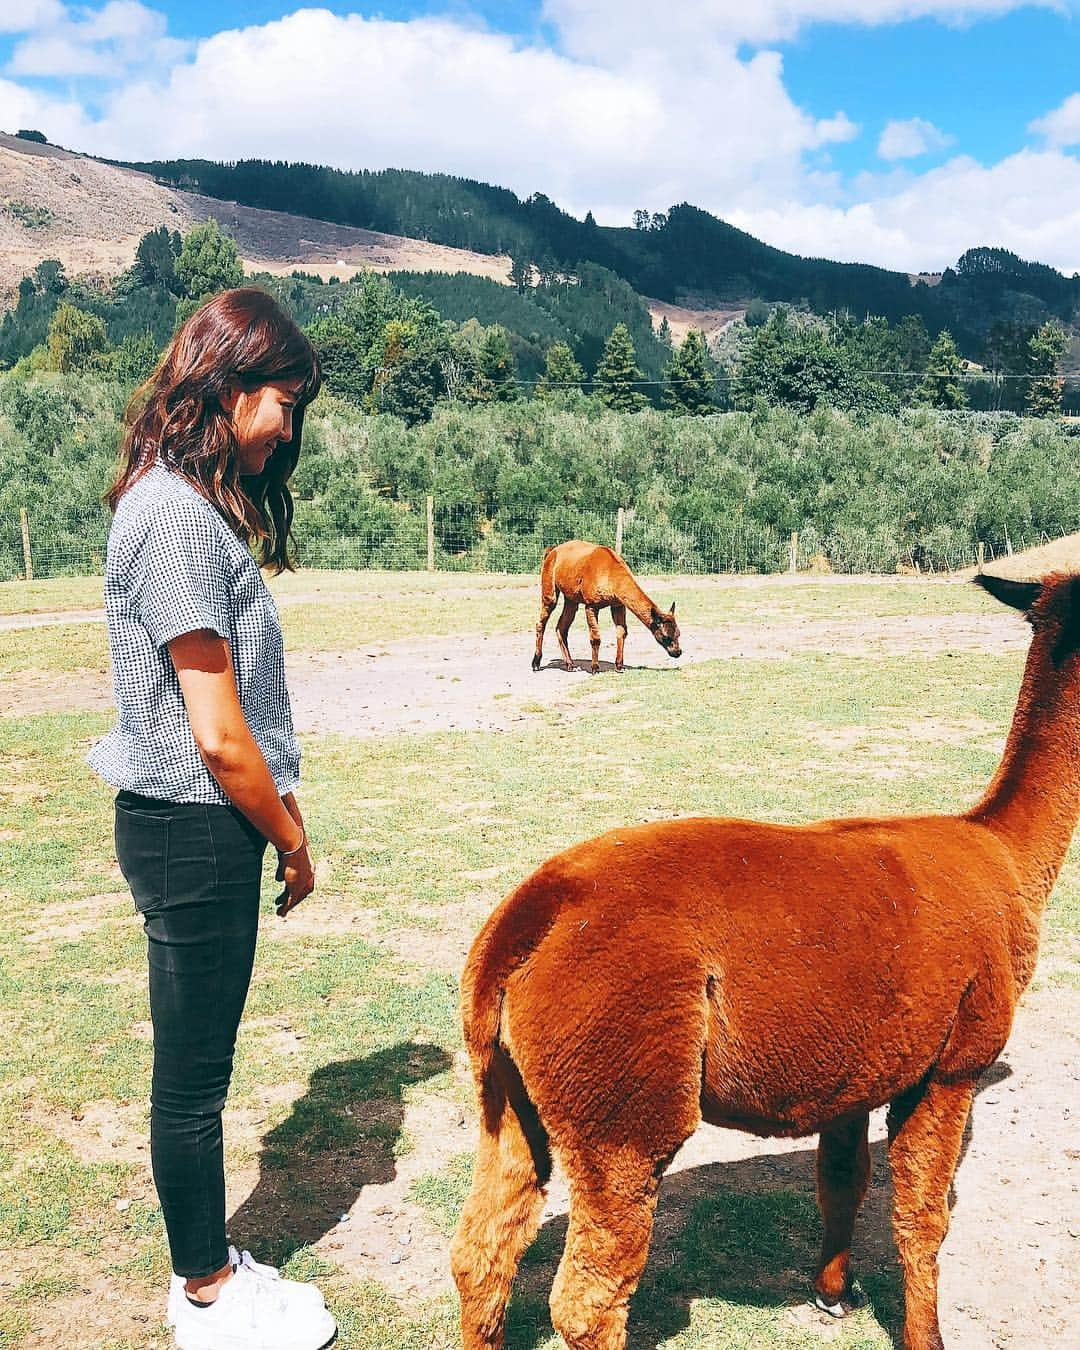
890	131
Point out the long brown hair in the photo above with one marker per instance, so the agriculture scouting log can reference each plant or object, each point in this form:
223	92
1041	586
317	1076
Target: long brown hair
241	338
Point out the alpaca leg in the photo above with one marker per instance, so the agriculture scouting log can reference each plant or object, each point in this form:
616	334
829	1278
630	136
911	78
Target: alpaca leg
925	1136
843	1171
607	1244
566	618
499	1220
547	604
618	615
592	618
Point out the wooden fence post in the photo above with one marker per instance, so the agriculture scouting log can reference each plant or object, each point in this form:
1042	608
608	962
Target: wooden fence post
28	562
619	519
980	553
430	533
1008	544
793	552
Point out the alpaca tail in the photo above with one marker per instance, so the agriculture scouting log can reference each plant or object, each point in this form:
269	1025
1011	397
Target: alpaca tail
547	575
499	1084
513	1164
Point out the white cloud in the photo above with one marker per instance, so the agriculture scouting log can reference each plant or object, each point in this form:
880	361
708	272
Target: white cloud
608	29
431	94
686	118
29	15
1062	126
1029	202
103	43
909	139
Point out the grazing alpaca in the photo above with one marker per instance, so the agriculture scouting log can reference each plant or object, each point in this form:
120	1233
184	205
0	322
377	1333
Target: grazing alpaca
780	979
597	577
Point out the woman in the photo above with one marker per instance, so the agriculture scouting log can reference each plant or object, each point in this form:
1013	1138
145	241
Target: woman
205	760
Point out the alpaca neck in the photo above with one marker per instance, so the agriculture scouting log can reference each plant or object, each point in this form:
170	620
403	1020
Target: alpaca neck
1033	801
638	603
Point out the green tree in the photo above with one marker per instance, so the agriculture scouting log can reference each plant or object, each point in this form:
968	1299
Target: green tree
76	340
408	375
690	380
133	360
49	277
617	375
155	258
342	357
798	364
520	273
495	360
1046	347
941	386
208	261
562	373
757	313
664	331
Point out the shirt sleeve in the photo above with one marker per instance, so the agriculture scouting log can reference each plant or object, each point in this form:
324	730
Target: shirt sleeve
177	574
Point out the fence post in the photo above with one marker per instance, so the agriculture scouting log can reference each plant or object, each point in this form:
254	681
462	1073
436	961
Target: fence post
430	533
793	552
1008	544
980	554
619	518
28	564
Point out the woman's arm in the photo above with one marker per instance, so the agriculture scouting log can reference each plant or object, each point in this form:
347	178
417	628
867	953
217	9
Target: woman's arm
204	668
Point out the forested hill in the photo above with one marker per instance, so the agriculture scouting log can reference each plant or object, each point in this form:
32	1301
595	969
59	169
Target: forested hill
683	255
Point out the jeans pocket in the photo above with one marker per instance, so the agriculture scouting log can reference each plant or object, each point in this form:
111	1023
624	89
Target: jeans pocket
142	850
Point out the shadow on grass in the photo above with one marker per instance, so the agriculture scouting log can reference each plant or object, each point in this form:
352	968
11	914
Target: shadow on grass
340	1137
744	1235
583	663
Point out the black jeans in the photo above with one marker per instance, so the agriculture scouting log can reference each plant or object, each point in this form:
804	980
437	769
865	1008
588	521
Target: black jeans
194	872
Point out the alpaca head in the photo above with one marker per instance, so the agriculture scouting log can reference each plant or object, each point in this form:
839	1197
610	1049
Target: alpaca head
665	630
1051	606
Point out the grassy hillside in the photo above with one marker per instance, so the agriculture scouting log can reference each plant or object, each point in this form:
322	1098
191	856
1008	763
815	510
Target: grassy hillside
685	254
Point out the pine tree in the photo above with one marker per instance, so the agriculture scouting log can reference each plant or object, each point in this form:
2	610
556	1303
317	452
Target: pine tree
155	258
664	331
520	273
617	374
690	381
1046	347
562	373
209	261
941	386
495	360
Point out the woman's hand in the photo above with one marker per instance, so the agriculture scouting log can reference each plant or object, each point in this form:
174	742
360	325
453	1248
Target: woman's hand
297	871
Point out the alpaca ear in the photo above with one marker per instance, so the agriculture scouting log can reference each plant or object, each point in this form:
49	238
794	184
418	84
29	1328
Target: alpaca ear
1069	637
1015	594
673	606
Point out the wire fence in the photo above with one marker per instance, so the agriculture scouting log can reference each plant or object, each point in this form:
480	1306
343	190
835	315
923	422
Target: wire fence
463	539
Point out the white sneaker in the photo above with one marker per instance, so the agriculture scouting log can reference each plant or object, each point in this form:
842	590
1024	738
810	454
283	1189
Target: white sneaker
297	1288
254	1311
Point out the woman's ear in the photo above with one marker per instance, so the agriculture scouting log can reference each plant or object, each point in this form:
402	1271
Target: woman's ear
229	397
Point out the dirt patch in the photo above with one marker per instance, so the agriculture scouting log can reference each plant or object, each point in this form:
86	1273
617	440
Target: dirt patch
486	684
681	319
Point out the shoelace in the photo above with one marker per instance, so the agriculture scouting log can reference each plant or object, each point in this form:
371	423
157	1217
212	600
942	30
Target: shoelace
246	1260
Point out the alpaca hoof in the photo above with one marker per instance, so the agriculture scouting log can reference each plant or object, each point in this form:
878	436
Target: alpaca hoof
619	667
850	1301
568	665
536	663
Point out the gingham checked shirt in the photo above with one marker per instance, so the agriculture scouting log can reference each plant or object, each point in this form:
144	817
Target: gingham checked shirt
173	566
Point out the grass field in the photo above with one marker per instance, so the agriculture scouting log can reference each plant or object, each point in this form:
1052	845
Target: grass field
349	1078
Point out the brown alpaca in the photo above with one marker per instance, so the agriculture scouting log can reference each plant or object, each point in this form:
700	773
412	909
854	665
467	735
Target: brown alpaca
780	979
595	576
